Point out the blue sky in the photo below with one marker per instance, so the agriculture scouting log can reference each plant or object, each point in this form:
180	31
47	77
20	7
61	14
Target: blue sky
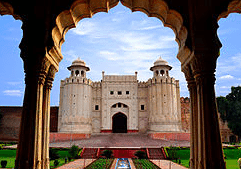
118	42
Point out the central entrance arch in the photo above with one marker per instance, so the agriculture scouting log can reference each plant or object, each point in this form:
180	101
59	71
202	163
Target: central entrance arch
119	123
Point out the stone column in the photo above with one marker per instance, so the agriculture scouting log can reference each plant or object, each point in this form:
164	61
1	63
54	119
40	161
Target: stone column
193	117
46	118
30	139
209	153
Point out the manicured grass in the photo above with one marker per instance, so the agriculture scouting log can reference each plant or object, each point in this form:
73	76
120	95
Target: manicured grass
10	161
100	163
10	155
144	164
232	155
232	164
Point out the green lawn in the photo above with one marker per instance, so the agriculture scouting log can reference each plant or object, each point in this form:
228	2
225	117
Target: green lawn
232	155
100	163
10	155
144	164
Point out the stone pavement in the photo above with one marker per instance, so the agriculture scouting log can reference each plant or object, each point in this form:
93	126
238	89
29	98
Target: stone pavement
166	164
77	164
120	140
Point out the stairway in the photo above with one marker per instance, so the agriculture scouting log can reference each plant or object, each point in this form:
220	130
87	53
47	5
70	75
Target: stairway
156	153
89	153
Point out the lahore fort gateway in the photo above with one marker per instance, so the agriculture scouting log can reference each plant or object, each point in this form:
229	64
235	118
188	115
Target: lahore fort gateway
119	103
116	104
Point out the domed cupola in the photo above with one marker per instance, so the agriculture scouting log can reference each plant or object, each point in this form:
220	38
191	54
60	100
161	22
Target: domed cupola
160	68
78	68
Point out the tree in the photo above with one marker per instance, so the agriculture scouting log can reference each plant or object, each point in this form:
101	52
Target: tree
74	151
229	108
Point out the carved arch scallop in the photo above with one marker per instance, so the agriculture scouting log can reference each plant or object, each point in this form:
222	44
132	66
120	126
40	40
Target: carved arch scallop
233	7
7	9
153	8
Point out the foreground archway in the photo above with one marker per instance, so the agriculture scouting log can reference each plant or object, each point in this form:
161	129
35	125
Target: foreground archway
119	123
44	27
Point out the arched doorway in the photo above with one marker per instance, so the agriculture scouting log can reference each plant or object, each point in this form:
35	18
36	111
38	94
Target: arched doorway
119	123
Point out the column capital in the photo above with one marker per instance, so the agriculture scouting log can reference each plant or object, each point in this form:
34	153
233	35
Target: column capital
36	70
204	62
50	77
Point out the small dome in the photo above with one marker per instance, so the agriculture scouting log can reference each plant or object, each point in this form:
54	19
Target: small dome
160	62
78	62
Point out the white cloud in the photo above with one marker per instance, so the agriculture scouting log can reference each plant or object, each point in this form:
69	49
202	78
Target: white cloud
14	83
150	27
225	87
85	27
226	77
109	55
70	55
17	93
137	41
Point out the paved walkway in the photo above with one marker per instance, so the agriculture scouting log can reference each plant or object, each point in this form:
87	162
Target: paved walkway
121	140
77	164
166	164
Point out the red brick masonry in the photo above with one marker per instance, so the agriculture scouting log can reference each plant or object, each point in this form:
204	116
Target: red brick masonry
171	136
60	137
128	131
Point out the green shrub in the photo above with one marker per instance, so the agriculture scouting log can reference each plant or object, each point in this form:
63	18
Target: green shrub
101	163
140	154
56	163
1	146
107	153
173	152
74	151
144	164
53	154
4	163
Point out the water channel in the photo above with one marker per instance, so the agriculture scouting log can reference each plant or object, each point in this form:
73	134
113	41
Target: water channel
123	163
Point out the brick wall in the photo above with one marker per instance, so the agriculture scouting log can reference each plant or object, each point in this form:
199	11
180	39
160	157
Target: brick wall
10	122
185	114
226	133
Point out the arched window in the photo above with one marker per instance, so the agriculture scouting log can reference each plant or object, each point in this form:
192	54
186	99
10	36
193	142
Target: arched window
157	73
82	73
162	72
76	73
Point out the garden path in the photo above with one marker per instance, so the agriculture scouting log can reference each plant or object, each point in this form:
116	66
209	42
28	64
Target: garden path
166	164
77	164
120	140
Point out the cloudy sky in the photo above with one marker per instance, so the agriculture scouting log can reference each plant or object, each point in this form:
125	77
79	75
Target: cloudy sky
118	42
